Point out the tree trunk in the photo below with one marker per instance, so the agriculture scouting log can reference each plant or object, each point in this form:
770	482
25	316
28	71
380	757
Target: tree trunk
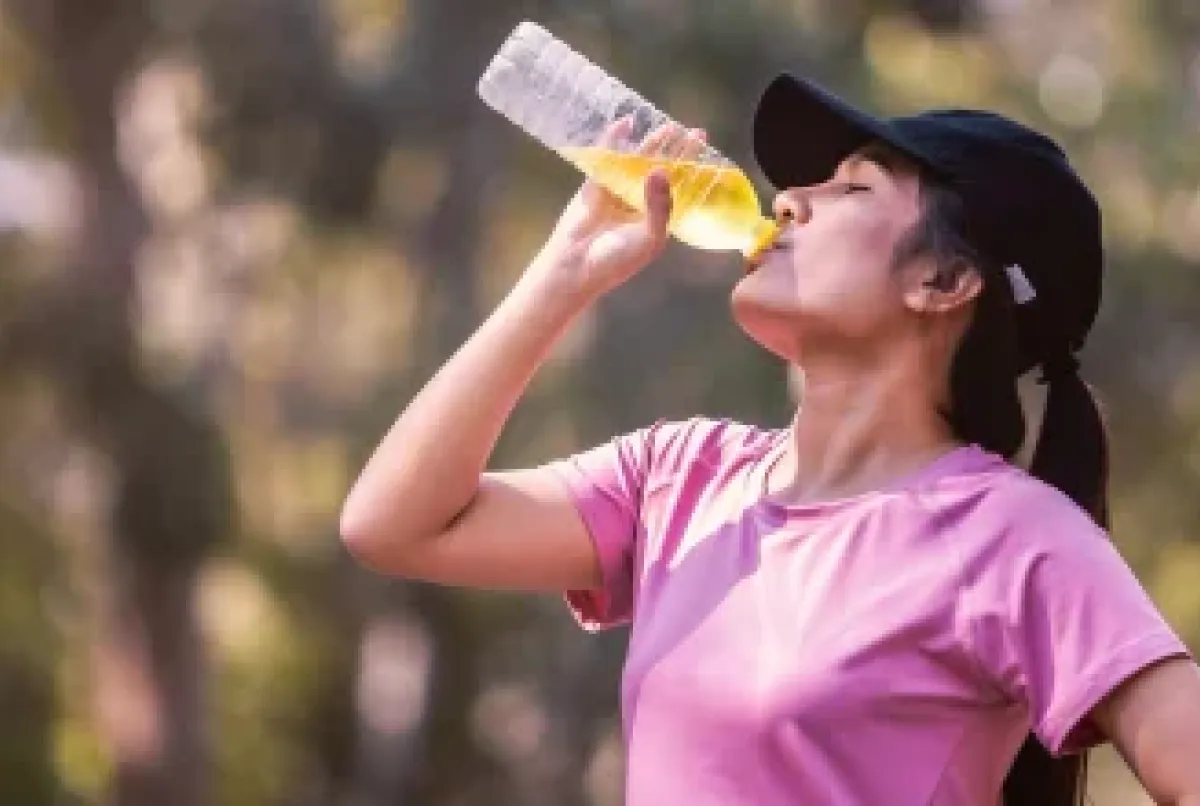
170	495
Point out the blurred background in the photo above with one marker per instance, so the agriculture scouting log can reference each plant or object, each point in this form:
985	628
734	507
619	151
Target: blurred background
235	237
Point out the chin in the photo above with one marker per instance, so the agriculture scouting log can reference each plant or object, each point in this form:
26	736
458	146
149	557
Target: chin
767	321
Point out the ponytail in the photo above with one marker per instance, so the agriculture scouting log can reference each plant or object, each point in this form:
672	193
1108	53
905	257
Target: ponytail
1072	450
984	408
1071	454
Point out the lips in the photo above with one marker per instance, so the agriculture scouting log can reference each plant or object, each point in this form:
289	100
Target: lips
779	246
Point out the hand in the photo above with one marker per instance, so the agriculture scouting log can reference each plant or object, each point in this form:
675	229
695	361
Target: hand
599	241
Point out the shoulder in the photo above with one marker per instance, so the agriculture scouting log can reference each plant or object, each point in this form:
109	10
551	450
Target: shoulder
1026	510
704	447
1015	523
705	440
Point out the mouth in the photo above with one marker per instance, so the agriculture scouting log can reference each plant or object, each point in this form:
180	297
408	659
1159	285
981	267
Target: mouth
753	265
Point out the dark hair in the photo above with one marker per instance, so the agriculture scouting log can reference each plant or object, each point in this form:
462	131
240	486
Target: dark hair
985	408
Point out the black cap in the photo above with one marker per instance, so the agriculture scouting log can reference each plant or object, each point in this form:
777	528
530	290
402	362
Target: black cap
1025	206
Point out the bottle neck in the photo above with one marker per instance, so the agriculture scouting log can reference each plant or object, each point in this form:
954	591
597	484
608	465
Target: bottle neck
764	234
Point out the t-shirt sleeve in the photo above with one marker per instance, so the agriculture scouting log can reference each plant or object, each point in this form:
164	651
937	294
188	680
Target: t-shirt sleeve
1066	625
607	485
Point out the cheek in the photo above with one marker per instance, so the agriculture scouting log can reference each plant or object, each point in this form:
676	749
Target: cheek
846	265
830	279
831	286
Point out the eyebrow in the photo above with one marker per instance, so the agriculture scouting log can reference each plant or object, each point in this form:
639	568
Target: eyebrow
889	160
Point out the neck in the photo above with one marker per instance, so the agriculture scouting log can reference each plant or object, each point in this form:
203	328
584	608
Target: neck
858	431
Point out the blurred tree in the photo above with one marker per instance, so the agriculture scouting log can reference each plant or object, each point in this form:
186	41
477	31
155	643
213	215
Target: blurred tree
169	499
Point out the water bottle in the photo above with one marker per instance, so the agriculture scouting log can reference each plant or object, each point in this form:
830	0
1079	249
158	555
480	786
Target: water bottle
568	103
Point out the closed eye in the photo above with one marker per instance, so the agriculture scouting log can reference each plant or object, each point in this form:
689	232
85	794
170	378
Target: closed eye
851	187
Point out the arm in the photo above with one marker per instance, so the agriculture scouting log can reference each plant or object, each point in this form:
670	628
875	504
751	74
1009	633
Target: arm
423	507
1153	719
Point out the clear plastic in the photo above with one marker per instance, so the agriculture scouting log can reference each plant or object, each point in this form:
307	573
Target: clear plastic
568	103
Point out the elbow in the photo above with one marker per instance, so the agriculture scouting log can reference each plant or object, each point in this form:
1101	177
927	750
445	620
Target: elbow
379	537
354	530
364	534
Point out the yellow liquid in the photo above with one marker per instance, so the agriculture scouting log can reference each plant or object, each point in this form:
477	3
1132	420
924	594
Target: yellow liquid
714	206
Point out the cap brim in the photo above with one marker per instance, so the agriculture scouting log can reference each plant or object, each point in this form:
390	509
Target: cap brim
802	132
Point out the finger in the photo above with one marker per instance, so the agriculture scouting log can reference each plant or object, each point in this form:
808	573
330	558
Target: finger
694	176
615	132
658	204
686	145
610	139
693	144
662	140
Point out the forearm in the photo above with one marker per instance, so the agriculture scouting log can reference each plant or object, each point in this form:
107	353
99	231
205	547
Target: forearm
427	468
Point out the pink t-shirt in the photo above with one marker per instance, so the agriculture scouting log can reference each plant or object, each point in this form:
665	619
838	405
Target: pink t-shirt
891	648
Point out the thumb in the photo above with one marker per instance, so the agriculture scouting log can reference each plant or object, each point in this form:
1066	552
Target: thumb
658	204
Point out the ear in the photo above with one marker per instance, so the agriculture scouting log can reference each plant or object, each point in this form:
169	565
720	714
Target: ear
932	288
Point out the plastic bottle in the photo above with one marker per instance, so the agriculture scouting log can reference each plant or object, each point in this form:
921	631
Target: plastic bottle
568	103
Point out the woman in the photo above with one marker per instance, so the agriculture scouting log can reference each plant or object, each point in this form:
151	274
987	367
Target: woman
872	606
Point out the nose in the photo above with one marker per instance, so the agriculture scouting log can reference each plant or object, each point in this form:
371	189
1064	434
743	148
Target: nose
792	207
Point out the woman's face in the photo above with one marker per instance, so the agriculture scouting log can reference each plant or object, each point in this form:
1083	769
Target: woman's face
831	278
